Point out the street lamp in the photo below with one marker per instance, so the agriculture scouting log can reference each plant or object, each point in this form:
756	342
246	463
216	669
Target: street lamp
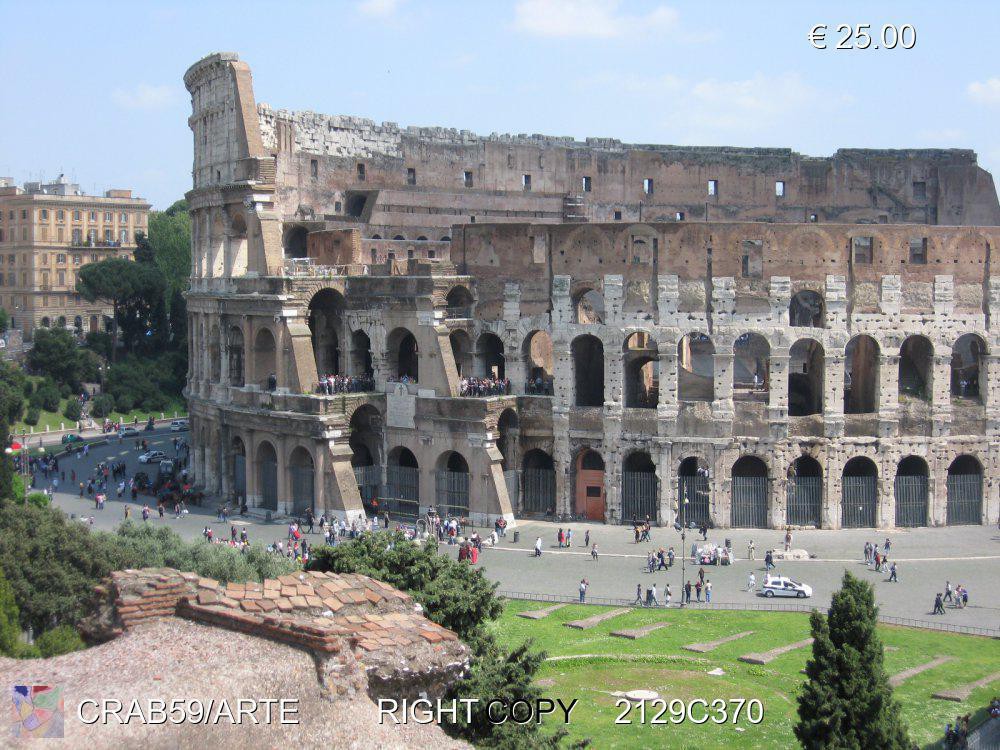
681	526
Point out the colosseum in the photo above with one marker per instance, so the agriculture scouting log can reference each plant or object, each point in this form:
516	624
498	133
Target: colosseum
533	326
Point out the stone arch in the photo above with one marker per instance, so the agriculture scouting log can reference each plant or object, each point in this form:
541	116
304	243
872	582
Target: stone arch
403	481
806	371
588	306
916	368
365	438
589	484
461	350
805	492
751	366
294	242
641	370
859	494
458	302
538	362
490	360
965	491
361	354
267	475
910	490
452	481
301	480
235	346
538	483
967	367
588	370
215	353
326	323
238	462
693	491
507	438
750	491
403	354
265	358
861	375
807	310
695	368
640	488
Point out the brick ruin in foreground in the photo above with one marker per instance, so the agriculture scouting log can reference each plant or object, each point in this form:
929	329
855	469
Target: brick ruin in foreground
748	337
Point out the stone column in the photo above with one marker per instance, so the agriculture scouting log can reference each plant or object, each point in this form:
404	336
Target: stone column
320	503
513	354
613	377
223	352
833	393
777	403
285	503
253	493
941	394
562	460
722	406
989	391
667	407
888	398
612	483
830	515
885	510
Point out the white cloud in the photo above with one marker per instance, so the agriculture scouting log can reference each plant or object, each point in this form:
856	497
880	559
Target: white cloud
984	92
379	8
599	19
147	97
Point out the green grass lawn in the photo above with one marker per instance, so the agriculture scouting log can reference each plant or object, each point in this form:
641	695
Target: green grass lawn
54	419
657	662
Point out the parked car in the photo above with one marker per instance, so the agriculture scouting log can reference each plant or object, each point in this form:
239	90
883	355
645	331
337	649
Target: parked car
179	425
70	439
125	432
152	457
783	586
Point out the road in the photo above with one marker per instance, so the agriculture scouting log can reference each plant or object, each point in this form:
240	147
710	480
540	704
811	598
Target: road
926	558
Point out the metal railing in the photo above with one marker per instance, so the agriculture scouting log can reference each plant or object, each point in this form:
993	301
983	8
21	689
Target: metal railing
763	606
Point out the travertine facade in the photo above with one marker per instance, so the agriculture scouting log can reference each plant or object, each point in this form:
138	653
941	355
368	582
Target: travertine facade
746	337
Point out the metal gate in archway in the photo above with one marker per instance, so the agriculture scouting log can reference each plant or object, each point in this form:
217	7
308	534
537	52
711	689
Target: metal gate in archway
269	484
402	490
965	499
695	489
805	501
749	508
240	475
911	500
452	493
369	479
859	500
538	491
640	491
303	497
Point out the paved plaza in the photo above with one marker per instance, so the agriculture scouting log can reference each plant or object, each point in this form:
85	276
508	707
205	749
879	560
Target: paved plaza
926	558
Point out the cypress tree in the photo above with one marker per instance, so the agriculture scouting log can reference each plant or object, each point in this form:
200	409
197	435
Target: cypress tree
10	629
847	701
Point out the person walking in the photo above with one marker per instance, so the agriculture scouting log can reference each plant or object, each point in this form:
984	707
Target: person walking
687	592
885	547
593	552
751	581
569	537
583	590
701	575
788	539
768	561
651	600
892	573
538	547
938	605
586	538
638	594
559	538
666	595
708	591
751	551
948	592
670	558
697	589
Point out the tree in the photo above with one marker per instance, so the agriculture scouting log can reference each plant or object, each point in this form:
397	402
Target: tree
178	321
10	628
56	354
170	241
130	288
4	320
60	640
847	700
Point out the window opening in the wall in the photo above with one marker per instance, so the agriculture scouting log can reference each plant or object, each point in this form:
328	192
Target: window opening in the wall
779	188
361	172
920	191
753	259
713	187
586	184
526	182
467	178
314	168
411	176
618	215
679	216
647	186
918	251
863	250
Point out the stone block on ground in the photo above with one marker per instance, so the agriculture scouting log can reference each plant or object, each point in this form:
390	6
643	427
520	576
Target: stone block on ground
589	622
768	656
704	648
906	674
634	633
538	614
962	692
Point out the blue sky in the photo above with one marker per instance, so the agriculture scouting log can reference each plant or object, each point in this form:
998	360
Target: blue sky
95	90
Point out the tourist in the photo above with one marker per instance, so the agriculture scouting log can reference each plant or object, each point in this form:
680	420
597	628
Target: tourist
704	532
670	558
751	581
947	592
638	594
938	605
788	539
651	600
538	547
892	573
559	538
650	562
701	575
708	591
886	545
586	538
593	552
583	590
751	551
666	595
687	592
697	589
661	557
768	561
569	537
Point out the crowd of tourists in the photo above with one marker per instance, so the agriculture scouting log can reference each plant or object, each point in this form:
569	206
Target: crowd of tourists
485	386
331	384
538	386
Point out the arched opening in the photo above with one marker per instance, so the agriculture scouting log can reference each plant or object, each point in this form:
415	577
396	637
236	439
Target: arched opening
265	359
295	243
399	238
588	370
365	442
695	368
237	246
859	494
235	344
805	492
461	350
239	464
641	368
61	321
750	490
445	238
421	238
78	323
911	491
403	355
806	365
267	476
966	367
537	350
95	324
590	485
693	492
640	489
490	359
45	322
215	354
806	310
538	481
751	367
458	303
361	356
965	491
452	479
507	427
402	483
916	368
861	376
326	310
301	476
376	236
588	307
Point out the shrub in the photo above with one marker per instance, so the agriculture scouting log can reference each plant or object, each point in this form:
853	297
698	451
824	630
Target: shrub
73	410
65	391
60	640
28	388
38	499
46	396
102	405
10	627
32	415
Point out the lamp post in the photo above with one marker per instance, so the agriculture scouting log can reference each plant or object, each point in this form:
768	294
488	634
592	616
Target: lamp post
681	526
23	470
